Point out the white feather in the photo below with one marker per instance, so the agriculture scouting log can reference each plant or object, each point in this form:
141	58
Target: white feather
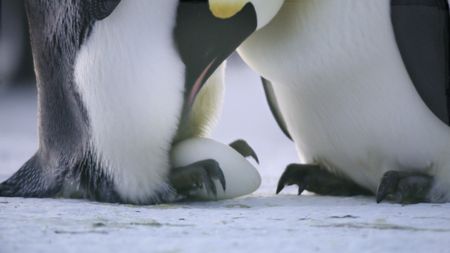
345	94
131	81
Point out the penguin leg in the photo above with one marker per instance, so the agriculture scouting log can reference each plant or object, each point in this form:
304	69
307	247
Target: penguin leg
31	180
196	176
316	179
404	187
243	148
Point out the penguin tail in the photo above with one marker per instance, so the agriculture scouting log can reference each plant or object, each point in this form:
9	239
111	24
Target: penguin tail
31	181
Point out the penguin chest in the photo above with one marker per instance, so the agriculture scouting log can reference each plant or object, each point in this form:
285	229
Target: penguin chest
343	90
131	82
206	108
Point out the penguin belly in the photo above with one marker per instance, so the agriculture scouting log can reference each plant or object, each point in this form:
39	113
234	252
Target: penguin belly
345	94
134	96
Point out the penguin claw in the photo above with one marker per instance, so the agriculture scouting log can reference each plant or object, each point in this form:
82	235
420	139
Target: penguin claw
301	189
293	175
280	187
198	175
388	185
404	187
243	148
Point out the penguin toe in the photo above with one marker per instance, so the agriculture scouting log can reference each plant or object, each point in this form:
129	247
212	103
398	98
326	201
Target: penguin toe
295	174
404	187
243	148
196	176
7	190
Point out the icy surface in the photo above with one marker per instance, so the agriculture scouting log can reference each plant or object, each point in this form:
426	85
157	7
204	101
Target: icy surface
261	222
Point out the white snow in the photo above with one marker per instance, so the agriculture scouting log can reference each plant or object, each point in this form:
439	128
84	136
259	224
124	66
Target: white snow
261	222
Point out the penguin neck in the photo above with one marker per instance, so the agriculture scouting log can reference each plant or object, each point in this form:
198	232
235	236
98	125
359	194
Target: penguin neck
204	112
131	81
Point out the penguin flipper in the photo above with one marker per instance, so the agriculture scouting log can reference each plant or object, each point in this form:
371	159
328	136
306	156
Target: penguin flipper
404	187
32	181
101	9
197	176
273	104
315	178
422	33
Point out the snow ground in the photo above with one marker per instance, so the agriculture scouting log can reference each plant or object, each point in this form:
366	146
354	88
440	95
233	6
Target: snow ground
261	222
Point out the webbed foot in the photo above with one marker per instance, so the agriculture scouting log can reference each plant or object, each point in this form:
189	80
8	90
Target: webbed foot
197	176
316	179
404	187
243	148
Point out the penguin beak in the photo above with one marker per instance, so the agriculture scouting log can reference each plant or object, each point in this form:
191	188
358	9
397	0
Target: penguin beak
204	40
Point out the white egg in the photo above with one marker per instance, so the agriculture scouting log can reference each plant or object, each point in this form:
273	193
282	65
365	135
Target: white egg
241	176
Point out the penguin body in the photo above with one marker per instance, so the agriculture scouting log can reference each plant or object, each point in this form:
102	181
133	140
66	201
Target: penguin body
133	103
345	95
118	83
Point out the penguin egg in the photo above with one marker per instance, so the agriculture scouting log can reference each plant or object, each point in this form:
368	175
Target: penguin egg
241	176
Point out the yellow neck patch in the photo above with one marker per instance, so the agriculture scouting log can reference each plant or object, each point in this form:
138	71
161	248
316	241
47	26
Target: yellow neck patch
226	8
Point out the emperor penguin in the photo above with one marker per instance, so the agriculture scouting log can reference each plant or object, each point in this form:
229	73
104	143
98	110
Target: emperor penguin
360	87
119	82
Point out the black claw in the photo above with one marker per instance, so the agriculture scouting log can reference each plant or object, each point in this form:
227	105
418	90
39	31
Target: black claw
282	182
210	186
290	176
215	172
381	195
211	173
388	185
243	148
255	157
280	186
301	189
223	183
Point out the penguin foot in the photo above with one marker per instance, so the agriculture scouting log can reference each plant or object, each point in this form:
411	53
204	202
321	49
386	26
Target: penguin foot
404	187
197	176
243	148
315	178
31	180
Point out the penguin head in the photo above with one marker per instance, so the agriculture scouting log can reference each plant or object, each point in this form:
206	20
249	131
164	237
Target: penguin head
208	31
265	9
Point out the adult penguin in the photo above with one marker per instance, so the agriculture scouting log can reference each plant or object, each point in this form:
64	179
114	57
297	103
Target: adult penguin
117	86
366	117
